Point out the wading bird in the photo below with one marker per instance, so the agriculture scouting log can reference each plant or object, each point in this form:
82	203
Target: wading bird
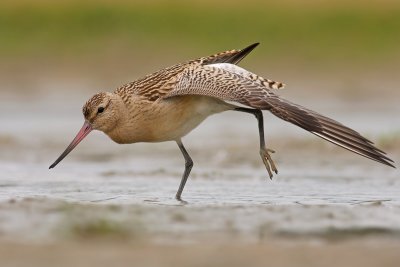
168	104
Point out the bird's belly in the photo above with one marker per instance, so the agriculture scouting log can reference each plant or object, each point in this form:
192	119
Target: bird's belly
182	114
169	119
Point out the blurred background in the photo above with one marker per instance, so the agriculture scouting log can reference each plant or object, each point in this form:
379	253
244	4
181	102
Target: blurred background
353	46
340	58
334	56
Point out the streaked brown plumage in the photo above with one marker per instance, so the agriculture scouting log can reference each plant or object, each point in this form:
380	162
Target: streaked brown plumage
168	104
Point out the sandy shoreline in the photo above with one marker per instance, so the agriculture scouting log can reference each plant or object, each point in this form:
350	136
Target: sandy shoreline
113	205
275	253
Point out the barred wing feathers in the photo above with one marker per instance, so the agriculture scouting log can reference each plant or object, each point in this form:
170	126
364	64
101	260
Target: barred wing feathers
231	83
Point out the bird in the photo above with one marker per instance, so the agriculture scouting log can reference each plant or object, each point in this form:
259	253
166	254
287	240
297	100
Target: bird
167	104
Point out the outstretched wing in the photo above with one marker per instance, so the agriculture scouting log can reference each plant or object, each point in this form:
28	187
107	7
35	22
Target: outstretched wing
328	129
159	83
232	83
223	80
231	56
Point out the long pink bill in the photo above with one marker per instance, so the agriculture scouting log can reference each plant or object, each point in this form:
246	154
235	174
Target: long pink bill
85	130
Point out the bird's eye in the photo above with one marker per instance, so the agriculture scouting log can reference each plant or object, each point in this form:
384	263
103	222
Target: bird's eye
100	110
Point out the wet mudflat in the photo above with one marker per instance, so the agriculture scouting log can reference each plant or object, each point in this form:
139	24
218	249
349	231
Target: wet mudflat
120	199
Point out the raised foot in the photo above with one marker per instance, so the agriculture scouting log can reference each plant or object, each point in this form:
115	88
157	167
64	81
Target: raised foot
268	162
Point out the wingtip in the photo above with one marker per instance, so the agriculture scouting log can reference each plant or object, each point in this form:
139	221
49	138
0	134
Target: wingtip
252	46
385	160
249	48
391	164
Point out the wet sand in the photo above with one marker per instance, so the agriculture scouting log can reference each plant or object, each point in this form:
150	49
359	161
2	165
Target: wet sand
110	204
276	253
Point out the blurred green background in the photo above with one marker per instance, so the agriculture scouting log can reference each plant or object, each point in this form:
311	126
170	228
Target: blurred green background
303	29
107	34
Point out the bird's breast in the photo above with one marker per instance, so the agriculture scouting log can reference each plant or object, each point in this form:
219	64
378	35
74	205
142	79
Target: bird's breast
165	119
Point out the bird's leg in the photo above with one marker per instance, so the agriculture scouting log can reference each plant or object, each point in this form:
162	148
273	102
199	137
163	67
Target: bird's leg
188	168
264	152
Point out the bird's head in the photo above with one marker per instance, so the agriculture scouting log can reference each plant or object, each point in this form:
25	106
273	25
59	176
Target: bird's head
101	113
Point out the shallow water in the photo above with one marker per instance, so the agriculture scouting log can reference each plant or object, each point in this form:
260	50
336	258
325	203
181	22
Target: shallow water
321	192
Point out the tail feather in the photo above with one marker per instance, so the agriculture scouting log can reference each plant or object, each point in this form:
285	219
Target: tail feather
327	129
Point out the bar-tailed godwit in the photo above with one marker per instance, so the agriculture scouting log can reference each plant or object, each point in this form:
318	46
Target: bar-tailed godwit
168	104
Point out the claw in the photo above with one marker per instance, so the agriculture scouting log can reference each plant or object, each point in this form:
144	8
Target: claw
268	162
270	150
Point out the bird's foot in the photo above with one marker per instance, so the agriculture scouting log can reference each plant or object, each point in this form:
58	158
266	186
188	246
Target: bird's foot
268	162
183	202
